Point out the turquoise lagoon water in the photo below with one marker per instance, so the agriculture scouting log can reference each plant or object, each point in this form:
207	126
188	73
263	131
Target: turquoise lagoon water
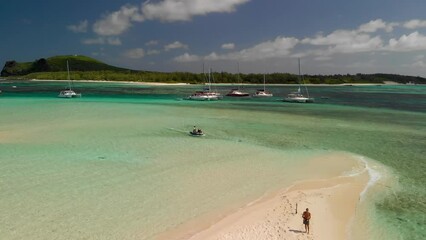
119	164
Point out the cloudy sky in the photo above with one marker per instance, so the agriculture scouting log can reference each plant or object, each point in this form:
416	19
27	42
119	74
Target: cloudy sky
329	36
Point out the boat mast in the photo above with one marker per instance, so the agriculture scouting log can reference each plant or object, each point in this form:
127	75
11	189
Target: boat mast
301	79
240	86
300	76
69	80
264	89
210	80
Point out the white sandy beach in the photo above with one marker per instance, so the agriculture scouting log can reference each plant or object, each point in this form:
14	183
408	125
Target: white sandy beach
332	202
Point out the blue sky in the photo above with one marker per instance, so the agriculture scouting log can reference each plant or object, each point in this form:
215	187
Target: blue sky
330	36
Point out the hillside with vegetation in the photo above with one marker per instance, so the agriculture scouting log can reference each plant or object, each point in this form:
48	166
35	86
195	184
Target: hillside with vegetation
86	68
56	64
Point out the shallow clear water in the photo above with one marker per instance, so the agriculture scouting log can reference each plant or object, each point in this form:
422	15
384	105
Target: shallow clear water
119	164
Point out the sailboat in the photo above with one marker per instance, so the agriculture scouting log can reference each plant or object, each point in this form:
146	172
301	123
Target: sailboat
236	92
263	92
68	93
298	96
207	94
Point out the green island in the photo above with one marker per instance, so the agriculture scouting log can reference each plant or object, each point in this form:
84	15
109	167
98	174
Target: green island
87	68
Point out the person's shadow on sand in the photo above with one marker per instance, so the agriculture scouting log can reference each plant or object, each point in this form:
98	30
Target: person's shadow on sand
296	231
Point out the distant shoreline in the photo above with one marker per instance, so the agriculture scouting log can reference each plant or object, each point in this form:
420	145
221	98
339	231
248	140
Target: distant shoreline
104	81
220	84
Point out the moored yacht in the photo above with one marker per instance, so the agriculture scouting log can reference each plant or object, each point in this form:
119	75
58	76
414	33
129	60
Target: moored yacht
68	93
237	93
203	96
207	94
263	92
298	96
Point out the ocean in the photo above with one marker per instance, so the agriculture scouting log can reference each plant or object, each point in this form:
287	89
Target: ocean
119	163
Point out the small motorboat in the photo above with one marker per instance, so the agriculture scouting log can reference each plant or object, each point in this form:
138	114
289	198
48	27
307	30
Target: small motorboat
197	134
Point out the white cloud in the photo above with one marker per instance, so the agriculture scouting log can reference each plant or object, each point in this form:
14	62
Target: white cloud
98	54
153	52
322	58
80	27
118	21
412	42
415	23
279	47
135	53
361	43
212	57
419	57
345	41
113	41
175	45
93	41
151	43
228	46
184	10
186	57
418	64
102	40
363	39
375	25
337	37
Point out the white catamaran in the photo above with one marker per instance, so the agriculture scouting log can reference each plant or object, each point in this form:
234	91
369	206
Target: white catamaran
206	94
68	93
298	96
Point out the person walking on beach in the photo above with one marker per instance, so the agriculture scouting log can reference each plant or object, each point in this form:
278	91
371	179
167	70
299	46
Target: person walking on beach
306	217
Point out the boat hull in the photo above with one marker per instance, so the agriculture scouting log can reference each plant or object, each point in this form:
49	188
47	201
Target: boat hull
262	94
69	94
237	93
197	134
203	98
299	100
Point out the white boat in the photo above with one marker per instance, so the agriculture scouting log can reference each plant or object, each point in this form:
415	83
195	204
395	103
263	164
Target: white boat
263	92
207	94
203	96
210	80
236	92
298	96
68	93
